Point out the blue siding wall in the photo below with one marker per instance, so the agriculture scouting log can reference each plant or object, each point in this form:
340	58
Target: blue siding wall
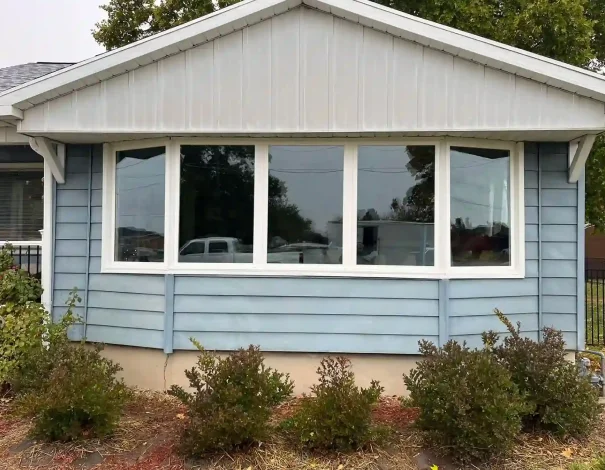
318	314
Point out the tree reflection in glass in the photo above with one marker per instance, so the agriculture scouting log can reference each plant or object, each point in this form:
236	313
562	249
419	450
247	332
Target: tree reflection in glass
305	204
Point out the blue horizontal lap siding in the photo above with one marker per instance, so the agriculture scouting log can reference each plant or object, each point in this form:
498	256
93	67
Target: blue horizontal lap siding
319	314
122	309
306	314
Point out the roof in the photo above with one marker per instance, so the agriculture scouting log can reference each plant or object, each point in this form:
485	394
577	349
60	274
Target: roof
248	12
16	75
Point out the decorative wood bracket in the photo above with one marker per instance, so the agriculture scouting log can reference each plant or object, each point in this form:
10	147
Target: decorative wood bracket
578	154
53	154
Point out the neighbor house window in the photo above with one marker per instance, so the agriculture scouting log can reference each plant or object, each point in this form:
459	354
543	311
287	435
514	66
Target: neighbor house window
216	209
21	205
424	208
139	202
305	204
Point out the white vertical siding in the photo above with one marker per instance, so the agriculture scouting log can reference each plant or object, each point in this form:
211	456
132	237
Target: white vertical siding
308	71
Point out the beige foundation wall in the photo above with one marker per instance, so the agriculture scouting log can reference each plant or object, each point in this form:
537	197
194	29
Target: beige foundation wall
152	369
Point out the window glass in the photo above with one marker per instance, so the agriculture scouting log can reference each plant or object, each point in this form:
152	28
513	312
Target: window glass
21	205
395	205
140	194
305	204
480	207
217	201
194	248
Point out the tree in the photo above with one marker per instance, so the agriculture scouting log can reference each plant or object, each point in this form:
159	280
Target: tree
571	31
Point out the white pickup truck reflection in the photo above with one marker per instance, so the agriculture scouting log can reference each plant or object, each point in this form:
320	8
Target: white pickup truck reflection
231	250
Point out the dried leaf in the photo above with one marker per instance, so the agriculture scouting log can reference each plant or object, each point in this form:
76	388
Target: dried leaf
180	416
567	453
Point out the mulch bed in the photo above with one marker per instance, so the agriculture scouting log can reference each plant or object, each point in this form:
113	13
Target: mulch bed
147	436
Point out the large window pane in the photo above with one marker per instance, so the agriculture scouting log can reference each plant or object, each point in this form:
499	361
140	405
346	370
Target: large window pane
480	207
395	205
140	194
217	204
305	204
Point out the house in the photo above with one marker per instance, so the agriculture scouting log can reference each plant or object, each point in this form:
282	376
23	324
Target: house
313	176
21	176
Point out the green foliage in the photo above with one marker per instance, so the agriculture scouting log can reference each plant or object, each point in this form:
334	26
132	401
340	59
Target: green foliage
338	416
595	185
16	285
468	403
597	464
78	397
232	400
69	389
558	398
23	330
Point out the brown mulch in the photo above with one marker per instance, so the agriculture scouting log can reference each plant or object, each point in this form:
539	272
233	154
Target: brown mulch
147	436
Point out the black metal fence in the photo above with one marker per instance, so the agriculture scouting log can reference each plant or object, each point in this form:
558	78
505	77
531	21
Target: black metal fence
29	258
595	299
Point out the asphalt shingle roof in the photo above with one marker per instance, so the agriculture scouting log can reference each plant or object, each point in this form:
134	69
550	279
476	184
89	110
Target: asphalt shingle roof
18	74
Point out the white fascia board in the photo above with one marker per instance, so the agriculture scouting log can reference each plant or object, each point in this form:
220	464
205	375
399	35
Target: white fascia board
10	112
468	46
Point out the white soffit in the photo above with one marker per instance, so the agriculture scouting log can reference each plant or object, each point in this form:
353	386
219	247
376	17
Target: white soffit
364	12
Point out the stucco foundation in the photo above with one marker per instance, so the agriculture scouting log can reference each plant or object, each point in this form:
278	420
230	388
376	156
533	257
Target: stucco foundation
152	369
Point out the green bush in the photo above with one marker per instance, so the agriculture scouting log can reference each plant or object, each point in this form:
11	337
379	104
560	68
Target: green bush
468	402
597	464
232	400
69	389
339	415
22	327
16	285
559	400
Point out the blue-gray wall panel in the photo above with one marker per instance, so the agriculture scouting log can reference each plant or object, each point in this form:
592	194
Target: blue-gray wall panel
318	314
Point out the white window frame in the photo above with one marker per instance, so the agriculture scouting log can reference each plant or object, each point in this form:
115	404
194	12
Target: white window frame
349	268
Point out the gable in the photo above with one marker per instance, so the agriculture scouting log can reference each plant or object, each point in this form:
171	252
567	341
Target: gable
309	71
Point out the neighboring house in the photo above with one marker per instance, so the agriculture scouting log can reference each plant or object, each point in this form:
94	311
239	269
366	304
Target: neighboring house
359	179
595	250
21	177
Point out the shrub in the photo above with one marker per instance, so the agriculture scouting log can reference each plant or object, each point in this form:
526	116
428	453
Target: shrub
468	402
559	399
80	398
68	389
232	400
338	416
16	285
22	328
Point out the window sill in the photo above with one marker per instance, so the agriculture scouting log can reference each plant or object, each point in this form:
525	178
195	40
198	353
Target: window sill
311	271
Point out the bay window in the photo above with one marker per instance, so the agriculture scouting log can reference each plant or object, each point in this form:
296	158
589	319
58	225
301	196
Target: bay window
423	208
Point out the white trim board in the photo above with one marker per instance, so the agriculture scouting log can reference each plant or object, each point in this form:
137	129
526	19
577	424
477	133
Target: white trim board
240	15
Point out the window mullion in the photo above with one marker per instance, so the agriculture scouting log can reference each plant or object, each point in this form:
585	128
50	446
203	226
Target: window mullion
349	209
442	208
261	203
172	196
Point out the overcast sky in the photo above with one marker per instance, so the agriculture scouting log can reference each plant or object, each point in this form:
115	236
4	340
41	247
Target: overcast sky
48	30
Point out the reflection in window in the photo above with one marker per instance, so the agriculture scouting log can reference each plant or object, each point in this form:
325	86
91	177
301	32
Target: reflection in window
216	204
395	205
305	204
480	207
140	176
